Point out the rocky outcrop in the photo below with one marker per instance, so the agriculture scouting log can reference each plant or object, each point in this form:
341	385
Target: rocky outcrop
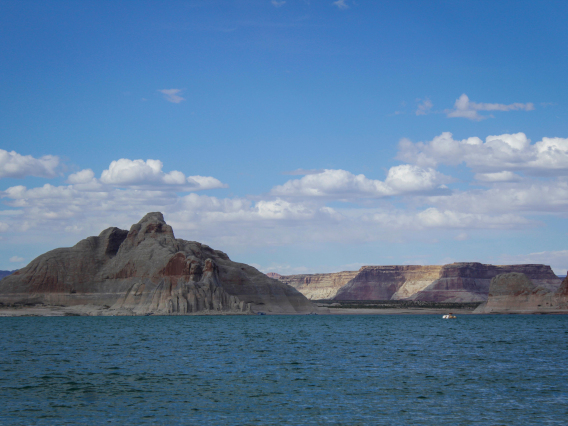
147	270
388	282
457	282
319	286
517	293
469	282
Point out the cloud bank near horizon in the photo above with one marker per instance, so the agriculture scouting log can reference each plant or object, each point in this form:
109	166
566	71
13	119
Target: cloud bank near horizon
514	185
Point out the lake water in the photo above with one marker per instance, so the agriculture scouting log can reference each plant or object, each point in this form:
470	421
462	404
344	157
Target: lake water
419	370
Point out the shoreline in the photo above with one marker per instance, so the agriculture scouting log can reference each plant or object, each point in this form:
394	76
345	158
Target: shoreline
67	311
96	311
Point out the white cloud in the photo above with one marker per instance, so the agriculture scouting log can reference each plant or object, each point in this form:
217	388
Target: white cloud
234	222
171	95
497	177
465	108
507	152
277	3
410	203
85	180
424	107
341	184
14	165
529	197
341	4
126	172
16	259
435	218
84	176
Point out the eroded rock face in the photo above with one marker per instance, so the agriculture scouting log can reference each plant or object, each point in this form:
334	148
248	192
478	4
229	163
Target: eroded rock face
457	282
388	282
319	286
517	293
148	270
469	282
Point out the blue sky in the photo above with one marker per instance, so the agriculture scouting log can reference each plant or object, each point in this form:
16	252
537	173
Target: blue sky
297	136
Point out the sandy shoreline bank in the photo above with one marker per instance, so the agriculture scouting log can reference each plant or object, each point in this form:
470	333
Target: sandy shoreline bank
62	311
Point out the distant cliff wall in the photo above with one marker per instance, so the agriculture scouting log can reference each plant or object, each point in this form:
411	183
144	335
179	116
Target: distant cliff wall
457	282
318	286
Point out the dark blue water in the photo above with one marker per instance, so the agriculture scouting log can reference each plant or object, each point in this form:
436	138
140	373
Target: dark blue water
420	370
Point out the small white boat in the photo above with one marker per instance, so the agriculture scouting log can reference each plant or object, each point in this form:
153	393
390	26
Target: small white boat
449	316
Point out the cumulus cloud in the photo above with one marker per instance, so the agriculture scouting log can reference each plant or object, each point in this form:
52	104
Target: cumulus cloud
237	222
14	165
424	107
465	108
507	152
126	172
84	176
16	259
341	184
171	95
412	199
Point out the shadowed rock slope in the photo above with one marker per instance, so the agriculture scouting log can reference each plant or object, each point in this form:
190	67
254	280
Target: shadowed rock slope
517	293
457	282
147	270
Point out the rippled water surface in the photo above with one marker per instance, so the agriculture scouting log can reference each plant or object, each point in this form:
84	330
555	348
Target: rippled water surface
493	370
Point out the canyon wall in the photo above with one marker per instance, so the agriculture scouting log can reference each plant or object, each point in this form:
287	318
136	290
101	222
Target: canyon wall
318	286
457	282
147	270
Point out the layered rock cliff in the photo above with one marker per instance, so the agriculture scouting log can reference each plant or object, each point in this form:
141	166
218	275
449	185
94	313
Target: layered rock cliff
457	282
469	282
318	286
517	293
147	270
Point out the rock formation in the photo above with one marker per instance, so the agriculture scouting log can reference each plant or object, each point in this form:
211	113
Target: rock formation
319	286
469	282
147	270
516	293
457	282
273	275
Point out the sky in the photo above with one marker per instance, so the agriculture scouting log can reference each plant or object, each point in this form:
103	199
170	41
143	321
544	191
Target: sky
296	136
